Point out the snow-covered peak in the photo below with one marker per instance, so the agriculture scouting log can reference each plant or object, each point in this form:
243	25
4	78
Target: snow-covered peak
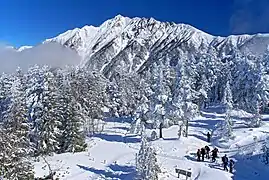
88	37
24	48
134	43
114	25
64	36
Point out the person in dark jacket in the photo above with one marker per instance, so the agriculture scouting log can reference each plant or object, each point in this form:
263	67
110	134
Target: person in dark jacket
231	165
198	155
214	154
208	137
207	149
217	151
225	161
203	154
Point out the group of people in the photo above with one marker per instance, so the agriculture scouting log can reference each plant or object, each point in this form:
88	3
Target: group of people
205	152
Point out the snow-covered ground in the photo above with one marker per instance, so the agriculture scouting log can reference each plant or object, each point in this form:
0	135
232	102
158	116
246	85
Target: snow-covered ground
111	155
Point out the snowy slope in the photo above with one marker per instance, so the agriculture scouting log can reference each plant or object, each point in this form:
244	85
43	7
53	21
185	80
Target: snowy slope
132	44
111	155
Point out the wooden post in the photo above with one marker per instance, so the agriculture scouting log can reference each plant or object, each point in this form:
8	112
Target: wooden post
161	129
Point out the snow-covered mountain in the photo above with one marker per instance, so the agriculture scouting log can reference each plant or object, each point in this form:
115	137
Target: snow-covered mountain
132	44
24	48
20	49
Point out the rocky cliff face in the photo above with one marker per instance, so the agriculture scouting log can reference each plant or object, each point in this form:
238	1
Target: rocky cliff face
130	45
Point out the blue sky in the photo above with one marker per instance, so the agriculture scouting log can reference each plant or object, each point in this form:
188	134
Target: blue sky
29	22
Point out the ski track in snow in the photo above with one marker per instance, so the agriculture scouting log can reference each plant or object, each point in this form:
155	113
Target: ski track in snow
112	154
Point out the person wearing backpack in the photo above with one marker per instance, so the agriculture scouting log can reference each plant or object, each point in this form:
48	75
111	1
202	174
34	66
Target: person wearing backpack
225	161
214	154
203	154
207	149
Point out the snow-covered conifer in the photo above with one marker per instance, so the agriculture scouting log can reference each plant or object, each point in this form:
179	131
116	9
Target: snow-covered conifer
187	96
14	135
50	118
147	167
72	138
228	102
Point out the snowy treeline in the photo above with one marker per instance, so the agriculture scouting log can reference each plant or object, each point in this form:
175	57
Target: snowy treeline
175	88
46	111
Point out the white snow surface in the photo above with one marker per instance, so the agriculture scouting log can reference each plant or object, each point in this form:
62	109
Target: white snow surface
111	155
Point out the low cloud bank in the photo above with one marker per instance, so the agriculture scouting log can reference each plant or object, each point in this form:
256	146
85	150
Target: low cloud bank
52	54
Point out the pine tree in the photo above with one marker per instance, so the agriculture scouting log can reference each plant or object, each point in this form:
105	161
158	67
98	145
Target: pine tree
88	89
72	137
159	98
228	102
5	86
187	97
34	93
147	167
50	118
14	135
140	116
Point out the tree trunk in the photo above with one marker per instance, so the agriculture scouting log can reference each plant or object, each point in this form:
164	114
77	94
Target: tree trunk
186	128
161	129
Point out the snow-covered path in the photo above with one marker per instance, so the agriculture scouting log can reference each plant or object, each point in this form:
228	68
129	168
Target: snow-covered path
111	155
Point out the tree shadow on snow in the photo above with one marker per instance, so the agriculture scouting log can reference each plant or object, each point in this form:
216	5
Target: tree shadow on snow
117	171
215	109
170	139
191	158
119	119
216	166
265	119
122	128
118	138
203	138
203	123
240	126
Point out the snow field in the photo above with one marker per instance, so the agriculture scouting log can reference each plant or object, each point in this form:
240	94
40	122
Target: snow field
112	154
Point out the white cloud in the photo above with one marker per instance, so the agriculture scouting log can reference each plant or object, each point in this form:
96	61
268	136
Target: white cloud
51	54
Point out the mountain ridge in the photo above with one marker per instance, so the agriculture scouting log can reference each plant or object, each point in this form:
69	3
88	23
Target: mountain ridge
128	44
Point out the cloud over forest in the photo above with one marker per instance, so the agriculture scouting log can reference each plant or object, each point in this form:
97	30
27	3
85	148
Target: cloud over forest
52	54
